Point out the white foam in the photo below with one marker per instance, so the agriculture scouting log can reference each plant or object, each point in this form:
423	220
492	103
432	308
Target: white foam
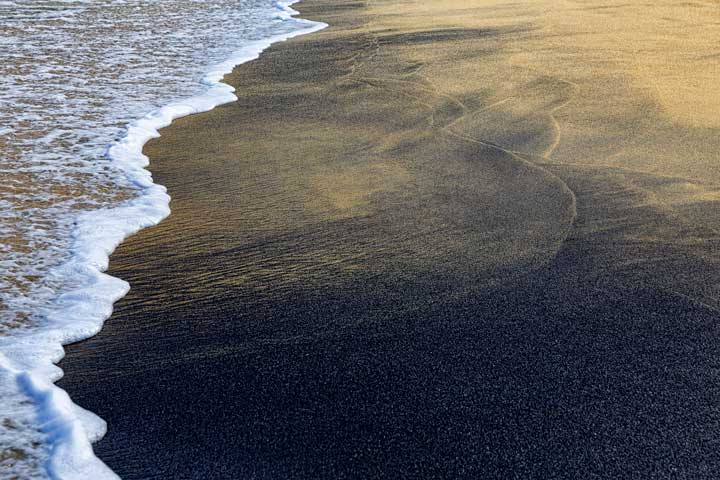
80	313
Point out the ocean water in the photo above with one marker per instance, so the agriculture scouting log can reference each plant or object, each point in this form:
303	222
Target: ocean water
83	85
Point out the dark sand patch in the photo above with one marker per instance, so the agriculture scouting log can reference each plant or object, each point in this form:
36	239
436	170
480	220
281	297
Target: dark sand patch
372	270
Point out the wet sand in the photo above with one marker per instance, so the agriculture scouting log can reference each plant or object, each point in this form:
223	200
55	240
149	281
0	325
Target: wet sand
452	239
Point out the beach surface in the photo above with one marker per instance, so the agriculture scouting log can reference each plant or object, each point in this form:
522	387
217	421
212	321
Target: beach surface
447	239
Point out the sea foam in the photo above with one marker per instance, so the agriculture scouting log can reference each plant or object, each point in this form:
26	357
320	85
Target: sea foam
29	355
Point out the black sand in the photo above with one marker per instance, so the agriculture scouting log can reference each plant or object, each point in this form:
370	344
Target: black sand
352	287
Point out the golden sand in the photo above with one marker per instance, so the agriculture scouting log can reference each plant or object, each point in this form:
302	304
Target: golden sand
408	97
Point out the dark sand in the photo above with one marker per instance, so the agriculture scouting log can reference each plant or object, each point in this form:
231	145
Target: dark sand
360	279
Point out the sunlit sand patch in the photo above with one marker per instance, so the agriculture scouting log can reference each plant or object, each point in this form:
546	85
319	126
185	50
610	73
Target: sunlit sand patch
686	88
349	192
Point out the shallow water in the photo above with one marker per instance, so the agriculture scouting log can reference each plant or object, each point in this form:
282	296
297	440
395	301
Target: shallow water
73	75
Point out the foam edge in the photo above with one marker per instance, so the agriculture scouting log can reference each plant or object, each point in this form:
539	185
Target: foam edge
79	314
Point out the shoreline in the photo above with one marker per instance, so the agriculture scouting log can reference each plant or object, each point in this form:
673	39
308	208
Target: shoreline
32	358
350	288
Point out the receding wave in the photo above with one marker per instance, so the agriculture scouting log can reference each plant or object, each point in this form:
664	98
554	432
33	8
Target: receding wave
79	78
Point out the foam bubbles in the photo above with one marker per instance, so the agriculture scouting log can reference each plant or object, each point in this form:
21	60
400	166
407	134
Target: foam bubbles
77	81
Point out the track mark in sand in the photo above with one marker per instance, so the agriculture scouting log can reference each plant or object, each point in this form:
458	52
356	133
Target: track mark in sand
542	171
633	181
432	90
418	92
374	44
693	300
555	124
481	110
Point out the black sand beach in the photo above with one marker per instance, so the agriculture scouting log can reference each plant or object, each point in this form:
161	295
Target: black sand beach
409	252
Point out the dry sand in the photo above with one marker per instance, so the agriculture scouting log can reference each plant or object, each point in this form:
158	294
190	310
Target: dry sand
447	239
